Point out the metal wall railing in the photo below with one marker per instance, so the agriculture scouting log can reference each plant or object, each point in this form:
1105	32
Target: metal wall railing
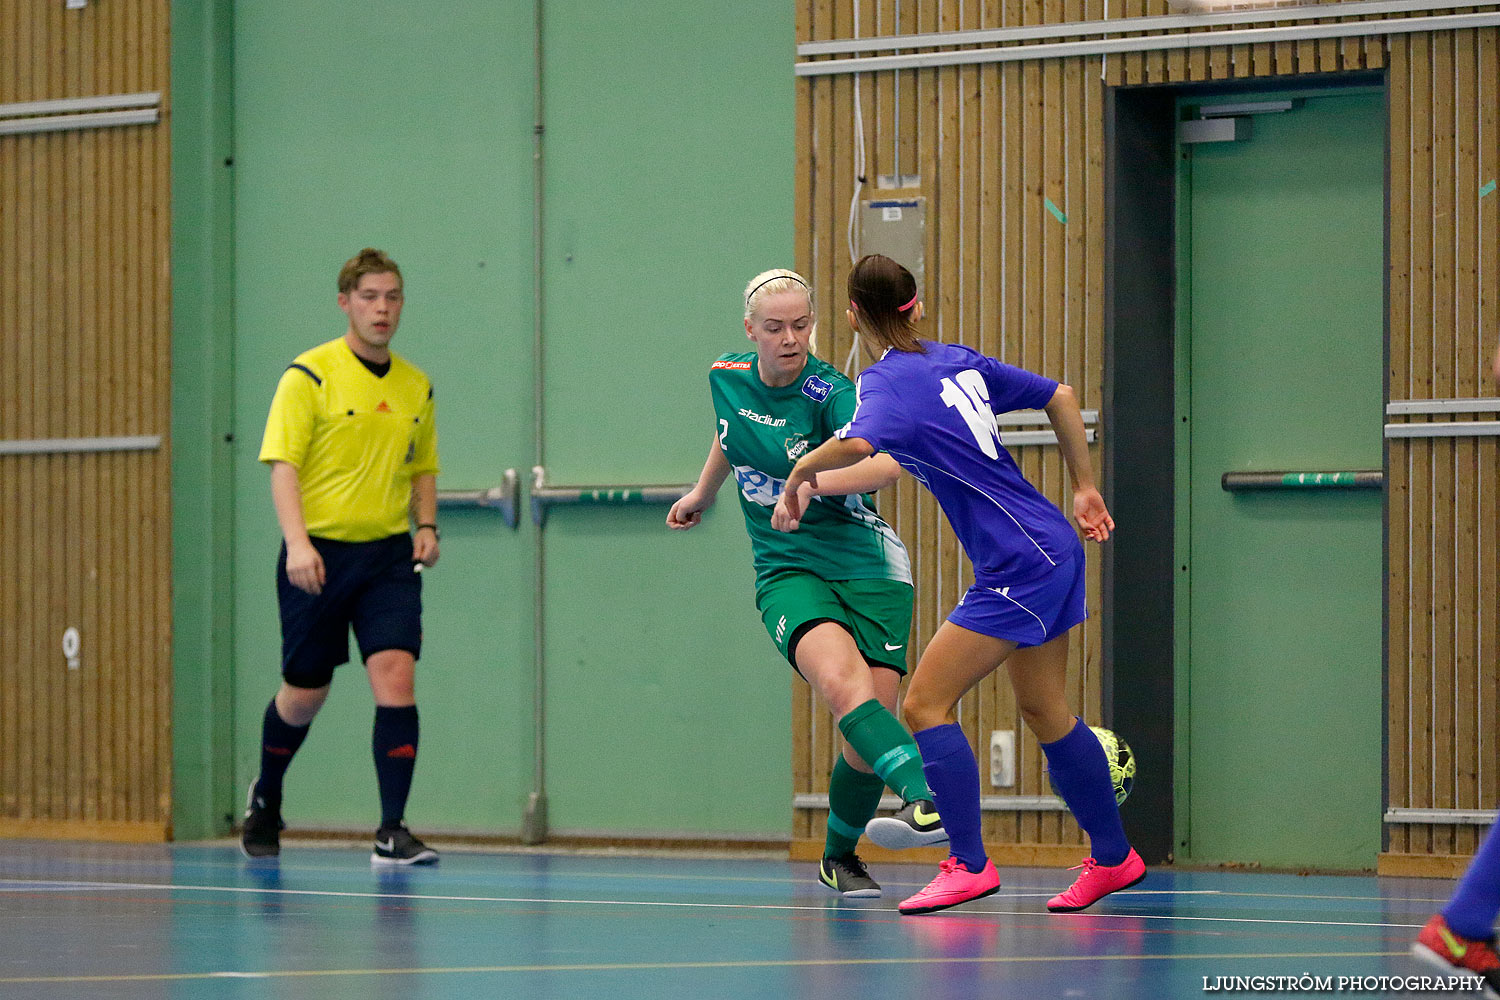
73	113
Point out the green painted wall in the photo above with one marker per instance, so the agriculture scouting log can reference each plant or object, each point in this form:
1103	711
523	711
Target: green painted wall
1281	674
202	510
669	185
411	130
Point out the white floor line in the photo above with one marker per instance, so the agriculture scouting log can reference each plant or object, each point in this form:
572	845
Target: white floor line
774	963
51	887
19	885
1367	899
306	869
298	868
1049	893
1217	920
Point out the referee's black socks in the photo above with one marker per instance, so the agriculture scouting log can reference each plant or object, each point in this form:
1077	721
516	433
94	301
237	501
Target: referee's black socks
278	743
394	743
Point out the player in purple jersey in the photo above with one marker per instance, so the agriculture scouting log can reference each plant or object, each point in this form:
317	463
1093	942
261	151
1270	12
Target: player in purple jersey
932	408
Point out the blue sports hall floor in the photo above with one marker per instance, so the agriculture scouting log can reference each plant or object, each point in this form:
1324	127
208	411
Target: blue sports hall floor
198	920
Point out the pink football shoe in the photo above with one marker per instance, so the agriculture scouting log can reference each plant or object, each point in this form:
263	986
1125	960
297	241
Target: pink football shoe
954	884
1098	881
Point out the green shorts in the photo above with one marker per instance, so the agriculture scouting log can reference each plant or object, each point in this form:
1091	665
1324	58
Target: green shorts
877	613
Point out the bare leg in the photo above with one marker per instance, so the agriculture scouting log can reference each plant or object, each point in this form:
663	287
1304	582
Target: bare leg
392	678
1039	677
953	662
298	706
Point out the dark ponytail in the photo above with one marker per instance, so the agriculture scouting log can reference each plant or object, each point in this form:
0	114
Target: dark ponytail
884	295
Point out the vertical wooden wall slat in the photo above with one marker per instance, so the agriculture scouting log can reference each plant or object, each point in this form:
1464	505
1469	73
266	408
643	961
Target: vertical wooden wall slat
1135	62
77	401
88	261
971	132
1307	55
1177	64
112	652
1197	61
985	257
1011	827
53	385
1284	55
1421	387
135	375
928	524
1466	367
1240	61
1398	489
1444	451
1487	142
1030	266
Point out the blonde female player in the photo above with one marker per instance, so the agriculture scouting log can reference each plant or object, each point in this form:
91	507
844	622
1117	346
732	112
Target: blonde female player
837	601
932	407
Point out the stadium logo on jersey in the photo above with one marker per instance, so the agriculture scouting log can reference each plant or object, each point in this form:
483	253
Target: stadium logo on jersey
816	389
737	365
796	447
761	418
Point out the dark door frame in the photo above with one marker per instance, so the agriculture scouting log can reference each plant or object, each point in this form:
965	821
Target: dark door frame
1140	303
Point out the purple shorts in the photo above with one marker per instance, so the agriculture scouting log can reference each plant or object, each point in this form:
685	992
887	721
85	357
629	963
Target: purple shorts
1030	613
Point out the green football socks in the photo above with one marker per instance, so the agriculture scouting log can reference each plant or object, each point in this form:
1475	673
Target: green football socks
853	797
886	746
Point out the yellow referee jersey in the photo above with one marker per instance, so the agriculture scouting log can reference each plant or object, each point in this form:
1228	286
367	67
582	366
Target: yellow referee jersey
356	438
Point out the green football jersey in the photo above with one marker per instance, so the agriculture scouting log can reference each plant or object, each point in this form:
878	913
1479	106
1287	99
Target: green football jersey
763	431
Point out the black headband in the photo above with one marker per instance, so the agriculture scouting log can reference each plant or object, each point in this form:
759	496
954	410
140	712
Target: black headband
763	284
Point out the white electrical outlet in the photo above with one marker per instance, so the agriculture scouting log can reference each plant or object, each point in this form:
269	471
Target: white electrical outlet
1003	758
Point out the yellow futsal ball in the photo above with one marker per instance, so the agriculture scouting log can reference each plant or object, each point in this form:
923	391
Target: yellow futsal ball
1121	761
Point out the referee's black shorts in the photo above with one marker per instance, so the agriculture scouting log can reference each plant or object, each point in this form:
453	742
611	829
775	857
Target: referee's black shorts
369	585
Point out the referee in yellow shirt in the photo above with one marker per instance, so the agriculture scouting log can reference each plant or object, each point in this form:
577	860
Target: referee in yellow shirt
352	447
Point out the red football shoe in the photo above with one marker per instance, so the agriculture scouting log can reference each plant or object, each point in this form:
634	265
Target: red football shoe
954	884
1441	948
1098	881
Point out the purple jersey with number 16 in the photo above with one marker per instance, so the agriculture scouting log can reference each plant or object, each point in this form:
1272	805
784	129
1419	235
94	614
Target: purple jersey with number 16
934	412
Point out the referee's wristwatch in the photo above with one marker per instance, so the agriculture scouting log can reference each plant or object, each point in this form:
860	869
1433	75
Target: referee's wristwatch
435	532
